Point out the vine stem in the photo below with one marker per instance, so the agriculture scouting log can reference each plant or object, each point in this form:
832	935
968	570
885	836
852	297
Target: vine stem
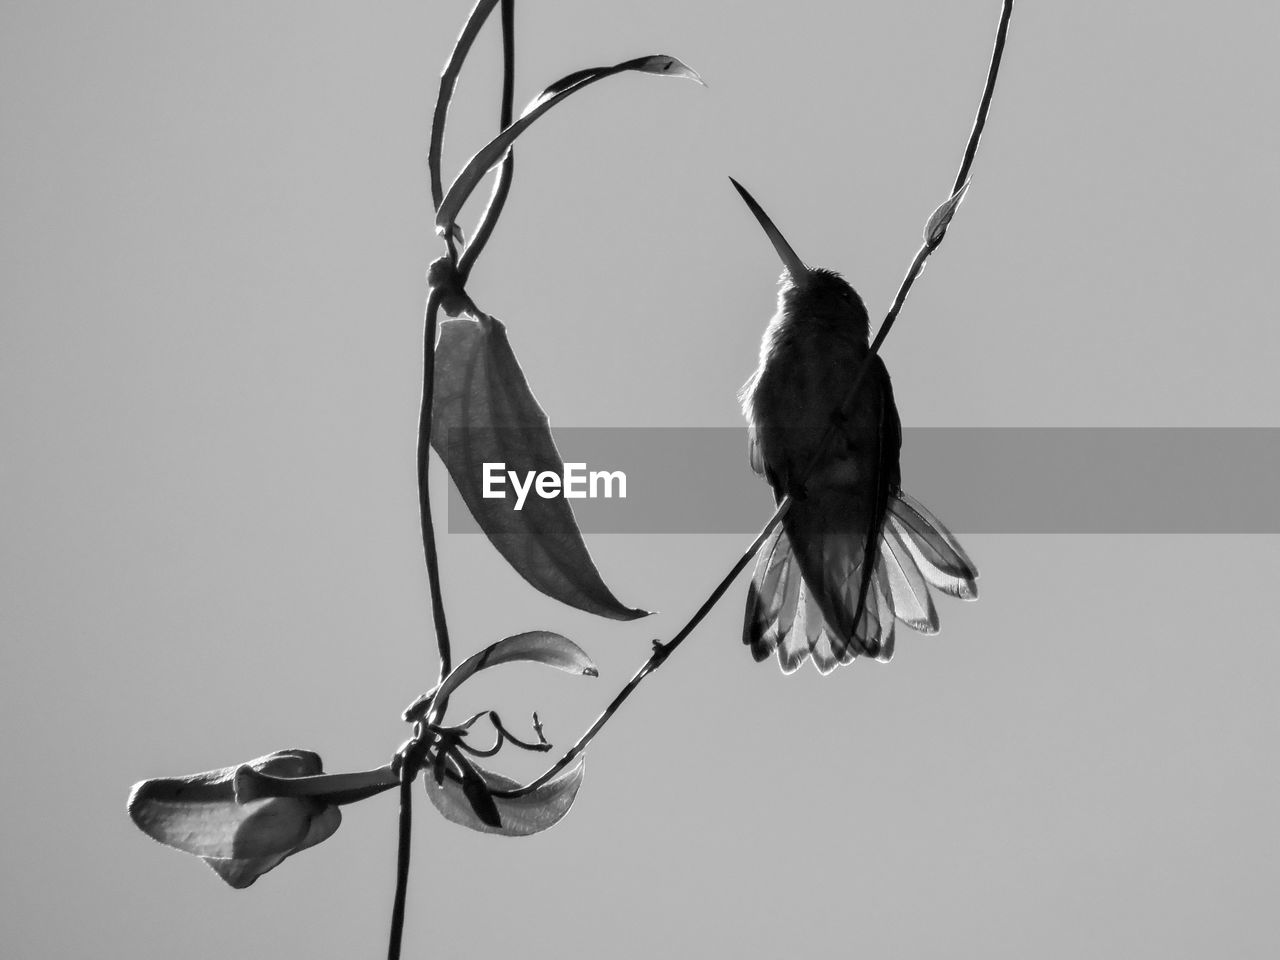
403	851
502	186
980	121
663	651
430	325
448	80
408	771
660	653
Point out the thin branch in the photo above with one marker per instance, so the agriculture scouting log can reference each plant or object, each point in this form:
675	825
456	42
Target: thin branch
424	493
980	121
403	851
449	80
541	746
501	735
508	62
927	248
662	651
502	186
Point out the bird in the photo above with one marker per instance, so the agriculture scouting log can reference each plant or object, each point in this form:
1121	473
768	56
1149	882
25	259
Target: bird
854	553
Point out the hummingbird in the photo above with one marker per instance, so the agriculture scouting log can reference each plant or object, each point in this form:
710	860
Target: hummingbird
854	553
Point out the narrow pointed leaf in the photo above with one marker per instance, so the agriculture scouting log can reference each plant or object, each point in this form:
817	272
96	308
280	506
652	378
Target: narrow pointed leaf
521	816
936	228
484	412
539	646
492	153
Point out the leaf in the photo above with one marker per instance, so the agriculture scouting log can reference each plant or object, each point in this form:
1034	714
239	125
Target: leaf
484	412
936	228
492	153
199	814
521	816
540	646
242	872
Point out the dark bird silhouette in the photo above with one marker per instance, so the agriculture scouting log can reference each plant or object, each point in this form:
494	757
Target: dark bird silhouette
854	553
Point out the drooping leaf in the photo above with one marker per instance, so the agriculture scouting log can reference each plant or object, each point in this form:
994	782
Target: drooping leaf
941	217
484	412
520	816
492	153
199	814
540	646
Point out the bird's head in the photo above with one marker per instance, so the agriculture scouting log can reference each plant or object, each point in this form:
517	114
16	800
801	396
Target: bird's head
824	296
810	293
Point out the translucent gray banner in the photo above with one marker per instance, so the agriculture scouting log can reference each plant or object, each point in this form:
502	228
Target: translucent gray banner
987	480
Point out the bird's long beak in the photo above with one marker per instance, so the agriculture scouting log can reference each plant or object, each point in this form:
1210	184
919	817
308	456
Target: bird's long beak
795	266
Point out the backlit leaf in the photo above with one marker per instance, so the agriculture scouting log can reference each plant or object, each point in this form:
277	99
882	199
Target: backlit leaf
484	412
539	646
521	816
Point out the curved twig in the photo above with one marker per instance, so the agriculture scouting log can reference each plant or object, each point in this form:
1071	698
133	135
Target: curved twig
501	735
660	653
448	81
493	152
980	121
502	186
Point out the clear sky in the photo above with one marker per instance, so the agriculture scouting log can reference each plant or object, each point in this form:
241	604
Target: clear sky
214	225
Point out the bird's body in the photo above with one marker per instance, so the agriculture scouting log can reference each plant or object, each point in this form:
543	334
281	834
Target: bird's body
854	553
811	348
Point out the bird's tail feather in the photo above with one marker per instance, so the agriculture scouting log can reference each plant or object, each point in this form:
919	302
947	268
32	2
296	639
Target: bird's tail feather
937	553
784	614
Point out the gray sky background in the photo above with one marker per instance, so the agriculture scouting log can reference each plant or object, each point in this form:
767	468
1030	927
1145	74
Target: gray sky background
214	223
